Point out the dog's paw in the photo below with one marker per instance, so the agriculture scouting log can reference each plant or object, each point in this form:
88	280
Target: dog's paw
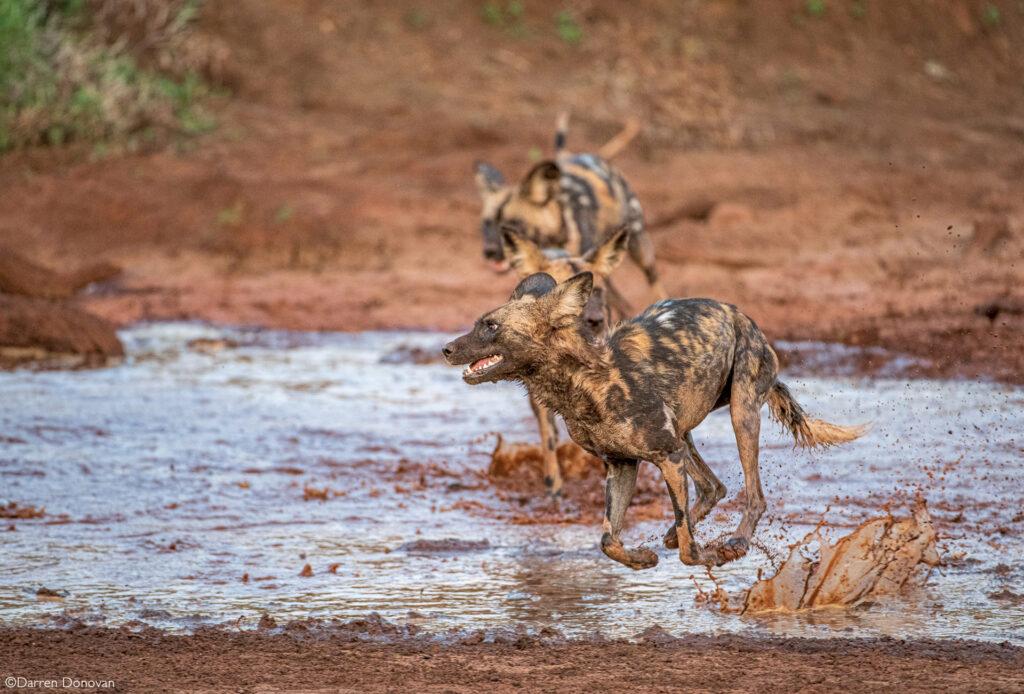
671	539
642	558
552	488
732	549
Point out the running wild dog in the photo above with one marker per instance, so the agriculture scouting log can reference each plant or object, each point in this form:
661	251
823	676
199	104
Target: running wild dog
637	396
574	202
526	258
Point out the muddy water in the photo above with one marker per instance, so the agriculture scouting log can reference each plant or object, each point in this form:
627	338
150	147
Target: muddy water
193	485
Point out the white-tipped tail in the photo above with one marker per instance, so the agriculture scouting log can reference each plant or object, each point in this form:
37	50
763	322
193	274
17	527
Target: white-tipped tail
809	433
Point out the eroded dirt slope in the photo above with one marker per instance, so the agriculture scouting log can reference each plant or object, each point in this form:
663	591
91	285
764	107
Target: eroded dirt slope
862	172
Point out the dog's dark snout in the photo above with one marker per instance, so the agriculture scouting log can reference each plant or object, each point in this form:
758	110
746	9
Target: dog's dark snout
447	350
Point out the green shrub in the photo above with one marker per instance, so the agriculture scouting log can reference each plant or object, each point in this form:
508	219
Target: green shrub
511	17
990	16
815	8
59	82
569	29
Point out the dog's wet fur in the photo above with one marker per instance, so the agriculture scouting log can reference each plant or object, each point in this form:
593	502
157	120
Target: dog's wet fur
638	394
573	202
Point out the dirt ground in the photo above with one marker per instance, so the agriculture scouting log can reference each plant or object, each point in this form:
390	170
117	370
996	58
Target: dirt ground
846	178
854	177
299	661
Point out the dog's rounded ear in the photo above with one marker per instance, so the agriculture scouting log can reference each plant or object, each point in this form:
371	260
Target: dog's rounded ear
542	183
524	255
488	179
536	285
570	298
605	258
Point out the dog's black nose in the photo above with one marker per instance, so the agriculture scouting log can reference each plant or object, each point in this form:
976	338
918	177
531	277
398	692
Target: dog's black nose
447	350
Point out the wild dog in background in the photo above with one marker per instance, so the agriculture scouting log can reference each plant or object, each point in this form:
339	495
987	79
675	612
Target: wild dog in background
637	396
575	202
526	258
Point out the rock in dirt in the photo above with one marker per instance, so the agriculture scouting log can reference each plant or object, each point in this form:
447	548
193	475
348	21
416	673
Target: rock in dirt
211	345
54	335
406	354
1000	307
48	595
878	558
730	214
51	334
22	277
13	510
448	544
695	209
1008	596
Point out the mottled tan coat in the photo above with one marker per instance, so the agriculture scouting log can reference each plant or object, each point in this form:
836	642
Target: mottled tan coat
637	396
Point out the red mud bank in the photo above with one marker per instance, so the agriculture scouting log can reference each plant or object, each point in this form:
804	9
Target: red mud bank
368	656
41	325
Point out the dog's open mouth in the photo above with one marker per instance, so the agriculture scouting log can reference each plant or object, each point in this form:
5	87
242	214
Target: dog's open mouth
481	365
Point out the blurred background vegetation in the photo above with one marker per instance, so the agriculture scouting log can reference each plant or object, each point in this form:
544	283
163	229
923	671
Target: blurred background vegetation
129	72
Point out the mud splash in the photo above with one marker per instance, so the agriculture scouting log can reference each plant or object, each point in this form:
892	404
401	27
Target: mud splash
191	486
880	558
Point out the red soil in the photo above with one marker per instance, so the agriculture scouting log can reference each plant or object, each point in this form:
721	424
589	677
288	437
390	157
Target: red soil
856	179
339	660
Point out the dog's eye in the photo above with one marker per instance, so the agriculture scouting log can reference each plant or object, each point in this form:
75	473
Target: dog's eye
492	326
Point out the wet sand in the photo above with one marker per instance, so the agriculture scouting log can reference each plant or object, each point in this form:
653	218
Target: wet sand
352	659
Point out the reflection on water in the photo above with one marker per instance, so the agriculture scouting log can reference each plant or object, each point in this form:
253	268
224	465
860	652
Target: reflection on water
192	485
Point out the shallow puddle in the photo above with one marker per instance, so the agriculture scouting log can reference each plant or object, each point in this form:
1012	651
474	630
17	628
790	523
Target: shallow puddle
193	484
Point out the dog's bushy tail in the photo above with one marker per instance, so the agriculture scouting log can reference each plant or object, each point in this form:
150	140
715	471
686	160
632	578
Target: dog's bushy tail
809	433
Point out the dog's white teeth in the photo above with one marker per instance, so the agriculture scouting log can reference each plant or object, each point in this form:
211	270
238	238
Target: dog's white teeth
482	364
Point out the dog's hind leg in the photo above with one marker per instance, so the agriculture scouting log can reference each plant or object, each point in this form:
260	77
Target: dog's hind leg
620	485
549	443
673	469
754	371
710	490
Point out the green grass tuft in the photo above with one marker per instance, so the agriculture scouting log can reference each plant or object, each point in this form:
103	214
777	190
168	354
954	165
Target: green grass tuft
990	16
59	84
569	29
815	8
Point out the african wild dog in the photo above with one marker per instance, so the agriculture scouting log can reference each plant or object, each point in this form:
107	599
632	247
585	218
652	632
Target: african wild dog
637	396
575	202
526	258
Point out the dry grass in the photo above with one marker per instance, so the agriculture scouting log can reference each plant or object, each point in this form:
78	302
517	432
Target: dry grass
122	72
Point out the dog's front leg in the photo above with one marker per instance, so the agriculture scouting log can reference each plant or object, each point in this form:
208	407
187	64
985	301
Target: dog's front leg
673	469
620	485
710	489
549	444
